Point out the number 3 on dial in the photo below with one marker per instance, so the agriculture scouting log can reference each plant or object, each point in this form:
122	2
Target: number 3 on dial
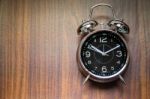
119	53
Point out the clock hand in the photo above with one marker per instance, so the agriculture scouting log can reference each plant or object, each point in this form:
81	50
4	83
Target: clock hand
103	48
112	49
97	50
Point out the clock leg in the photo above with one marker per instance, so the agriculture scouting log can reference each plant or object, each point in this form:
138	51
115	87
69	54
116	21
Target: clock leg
122	79
86	79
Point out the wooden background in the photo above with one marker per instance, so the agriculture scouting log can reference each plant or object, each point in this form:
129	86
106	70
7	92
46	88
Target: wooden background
38	44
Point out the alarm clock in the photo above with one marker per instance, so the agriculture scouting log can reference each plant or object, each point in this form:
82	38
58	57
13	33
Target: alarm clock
102	54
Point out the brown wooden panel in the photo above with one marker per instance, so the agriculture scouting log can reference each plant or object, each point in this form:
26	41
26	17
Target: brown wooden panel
38	43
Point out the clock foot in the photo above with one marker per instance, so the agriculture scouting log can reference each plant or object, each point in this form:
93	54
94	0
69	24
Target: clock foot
86	79
122	79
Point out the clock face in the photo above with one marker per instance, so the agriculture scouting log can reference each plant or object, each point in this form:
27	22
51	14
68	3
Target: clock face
103	53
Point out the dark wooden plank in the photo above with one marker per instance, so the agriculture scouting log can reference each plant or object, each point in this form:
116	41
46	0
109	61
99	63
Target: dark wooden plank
38	44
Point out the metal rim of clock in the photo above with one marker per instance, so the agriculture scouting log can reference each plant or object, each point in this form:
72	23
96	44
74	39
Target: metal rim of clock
94	77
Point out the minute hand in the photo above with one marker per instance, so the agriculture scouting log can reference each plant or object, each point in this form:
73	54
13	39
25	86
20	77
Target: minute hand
97	50
112	49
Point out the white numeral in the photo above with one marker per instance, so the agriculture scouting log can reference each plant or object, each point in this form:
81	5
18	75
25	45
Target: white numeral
103	40
112	68
104	69
88	54
89	62
119	54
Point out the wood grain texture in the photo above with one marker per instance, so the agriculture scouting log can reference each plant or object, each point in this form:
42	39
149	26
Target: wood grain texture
38	44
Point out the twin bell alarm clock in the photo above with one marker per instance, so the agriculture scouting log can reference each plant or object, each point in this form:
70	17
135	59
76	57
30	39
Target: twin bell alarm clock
102	54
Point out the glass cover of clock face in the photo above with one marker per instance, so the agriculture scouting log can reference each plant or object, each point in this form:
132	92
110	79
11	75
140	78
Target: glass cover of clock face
103	53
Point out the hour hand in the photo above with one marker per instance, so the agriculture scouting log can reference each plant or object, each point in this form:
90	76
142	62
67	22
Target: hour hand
112	49
97	50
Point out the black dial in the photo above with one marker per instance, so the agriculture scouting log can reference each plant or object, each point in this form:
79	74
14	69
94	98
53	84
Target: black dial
104	53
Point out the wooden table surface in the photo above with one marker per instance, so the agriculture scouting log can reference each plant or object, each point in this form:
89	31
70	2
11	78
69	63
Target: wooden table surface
38	44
